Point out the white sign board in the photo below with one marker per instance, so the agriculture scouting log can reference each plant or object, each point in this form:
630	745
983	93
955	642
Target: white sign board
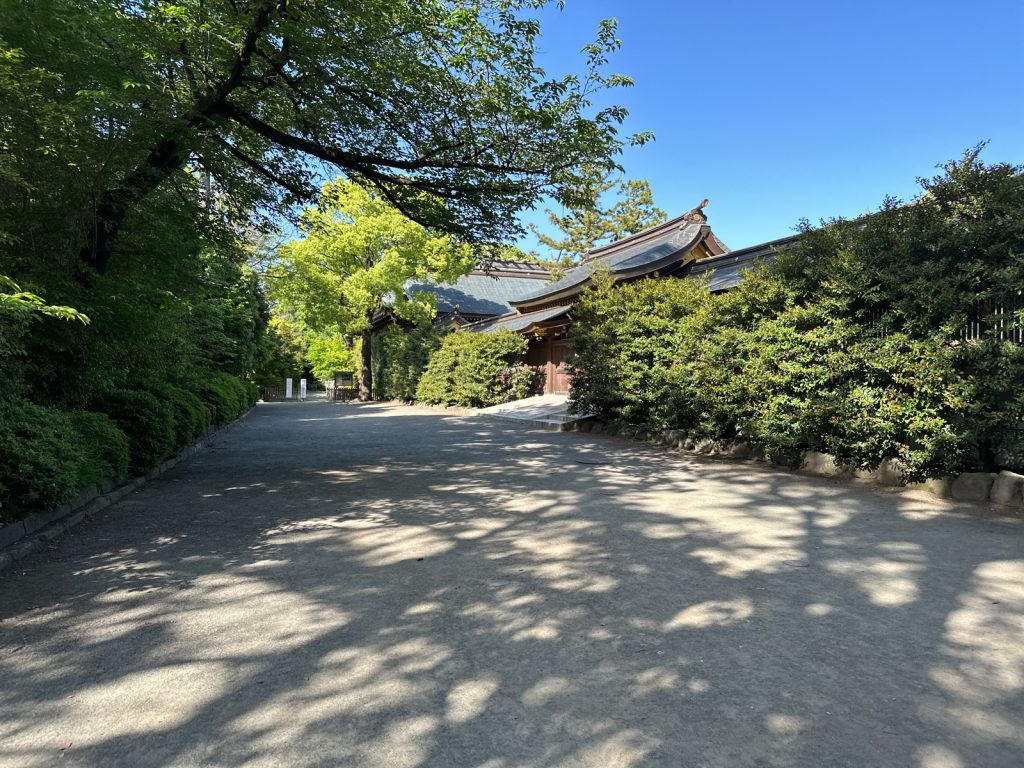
302	389
287	389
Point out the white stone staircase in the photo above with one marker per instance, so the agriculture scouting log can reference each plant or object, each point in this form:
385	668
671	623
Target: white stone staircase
547	411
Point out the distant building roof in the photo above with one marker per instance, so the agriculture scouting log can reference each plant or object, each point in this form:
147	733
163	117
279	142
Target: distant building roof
486	291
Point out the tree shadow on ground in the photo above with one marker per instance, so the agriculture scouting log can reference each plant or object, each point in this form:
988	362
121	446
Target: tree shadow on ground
378	586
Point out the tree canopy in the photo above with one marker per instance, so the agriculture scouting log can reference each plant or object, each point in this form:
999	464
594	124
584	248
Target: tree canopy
438	105
596	220
353	261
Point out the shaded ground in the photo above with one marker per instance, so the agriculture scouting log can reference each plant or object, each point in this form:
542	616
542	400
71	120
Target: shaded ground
391	587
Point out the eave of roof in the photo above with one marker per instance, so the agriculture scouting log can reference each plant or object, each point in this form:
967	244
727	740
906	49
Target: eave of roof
726	270
653	250
516	322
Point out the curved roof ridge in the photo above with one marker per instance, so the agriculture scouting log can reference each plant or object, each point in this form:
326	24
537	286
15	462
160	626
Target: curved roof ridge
693	215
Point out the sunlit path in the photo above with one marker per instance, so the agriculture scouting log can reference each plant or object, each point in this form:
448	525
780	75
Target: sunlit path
394	588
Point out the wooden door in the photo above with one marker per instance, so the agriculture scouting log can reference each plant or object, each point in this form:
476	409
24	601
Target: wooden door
558	380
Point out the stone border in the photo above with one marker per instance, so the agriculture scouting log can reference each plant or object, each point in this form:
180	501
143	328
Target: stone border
23	537
1003	488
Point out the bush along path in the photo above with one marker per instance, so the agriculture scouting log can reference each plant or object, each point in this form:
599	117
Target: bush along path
893	340
1004	488
60	467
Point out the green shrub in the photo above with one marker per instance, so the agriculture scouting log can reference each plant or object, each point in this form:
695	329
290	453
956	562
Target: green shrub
226	396
473	370
147	421
437	384
853	342
104	447
40	459
400	355
191	416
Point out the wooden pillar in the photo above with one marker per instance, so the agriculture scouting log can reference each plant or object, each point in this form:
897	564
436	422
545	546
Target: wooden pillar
549	380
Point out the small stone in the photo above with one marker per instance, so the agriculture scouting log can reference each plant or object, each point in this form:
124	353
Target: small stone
820	463
973	486
890	472
740	450
937	486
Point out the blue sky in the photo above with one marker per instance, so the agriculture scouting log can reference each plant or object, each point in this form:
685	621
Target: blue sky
778	111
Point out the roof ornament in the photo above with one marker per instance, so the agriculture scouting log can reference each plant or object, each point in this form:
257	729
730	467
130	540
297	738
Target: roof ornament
695	214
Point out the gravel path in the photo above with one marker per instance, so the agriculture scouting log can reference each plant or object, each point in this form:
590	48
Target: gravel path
393	587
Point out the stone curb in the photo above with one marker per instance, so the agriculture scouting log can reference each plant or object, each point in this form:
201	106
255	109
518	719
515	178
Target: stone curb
549	425
1004	489
22	538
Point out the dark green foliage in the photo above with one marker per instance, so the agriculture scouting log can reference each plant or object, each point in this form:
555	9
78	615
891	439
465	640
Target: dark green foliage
191	416
104	448
400	355
226	396
147	421
39	459
851	343
475	370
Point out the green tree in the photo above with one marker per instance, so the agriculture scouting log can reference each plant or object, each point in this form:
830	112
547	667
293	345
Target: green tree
328	353
597	221
442	97
353	261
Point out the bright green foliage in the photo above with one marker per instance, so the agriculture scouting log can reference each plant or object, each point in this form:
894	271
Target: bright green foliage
39	461
356	254
104	448
328	353
476	370
282	351
851	343
355	257
400	356
25	303
594	221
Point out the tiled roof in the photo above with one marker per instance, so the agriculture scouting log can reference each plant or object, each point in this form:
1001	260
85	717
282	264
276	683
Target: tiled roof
477	294
643	251
726	270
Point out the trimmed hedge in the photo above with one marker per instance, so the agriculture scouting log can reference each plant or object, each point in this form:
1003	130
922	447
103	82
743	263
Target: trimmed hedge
852	343
104	448
399	358
39	459
476	370
148	423
48	456
227	396
191	416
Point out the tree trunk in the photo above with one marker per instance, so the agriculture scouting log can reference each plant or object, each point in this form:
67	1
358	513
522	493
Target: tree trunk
170	152
366	371
114	204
